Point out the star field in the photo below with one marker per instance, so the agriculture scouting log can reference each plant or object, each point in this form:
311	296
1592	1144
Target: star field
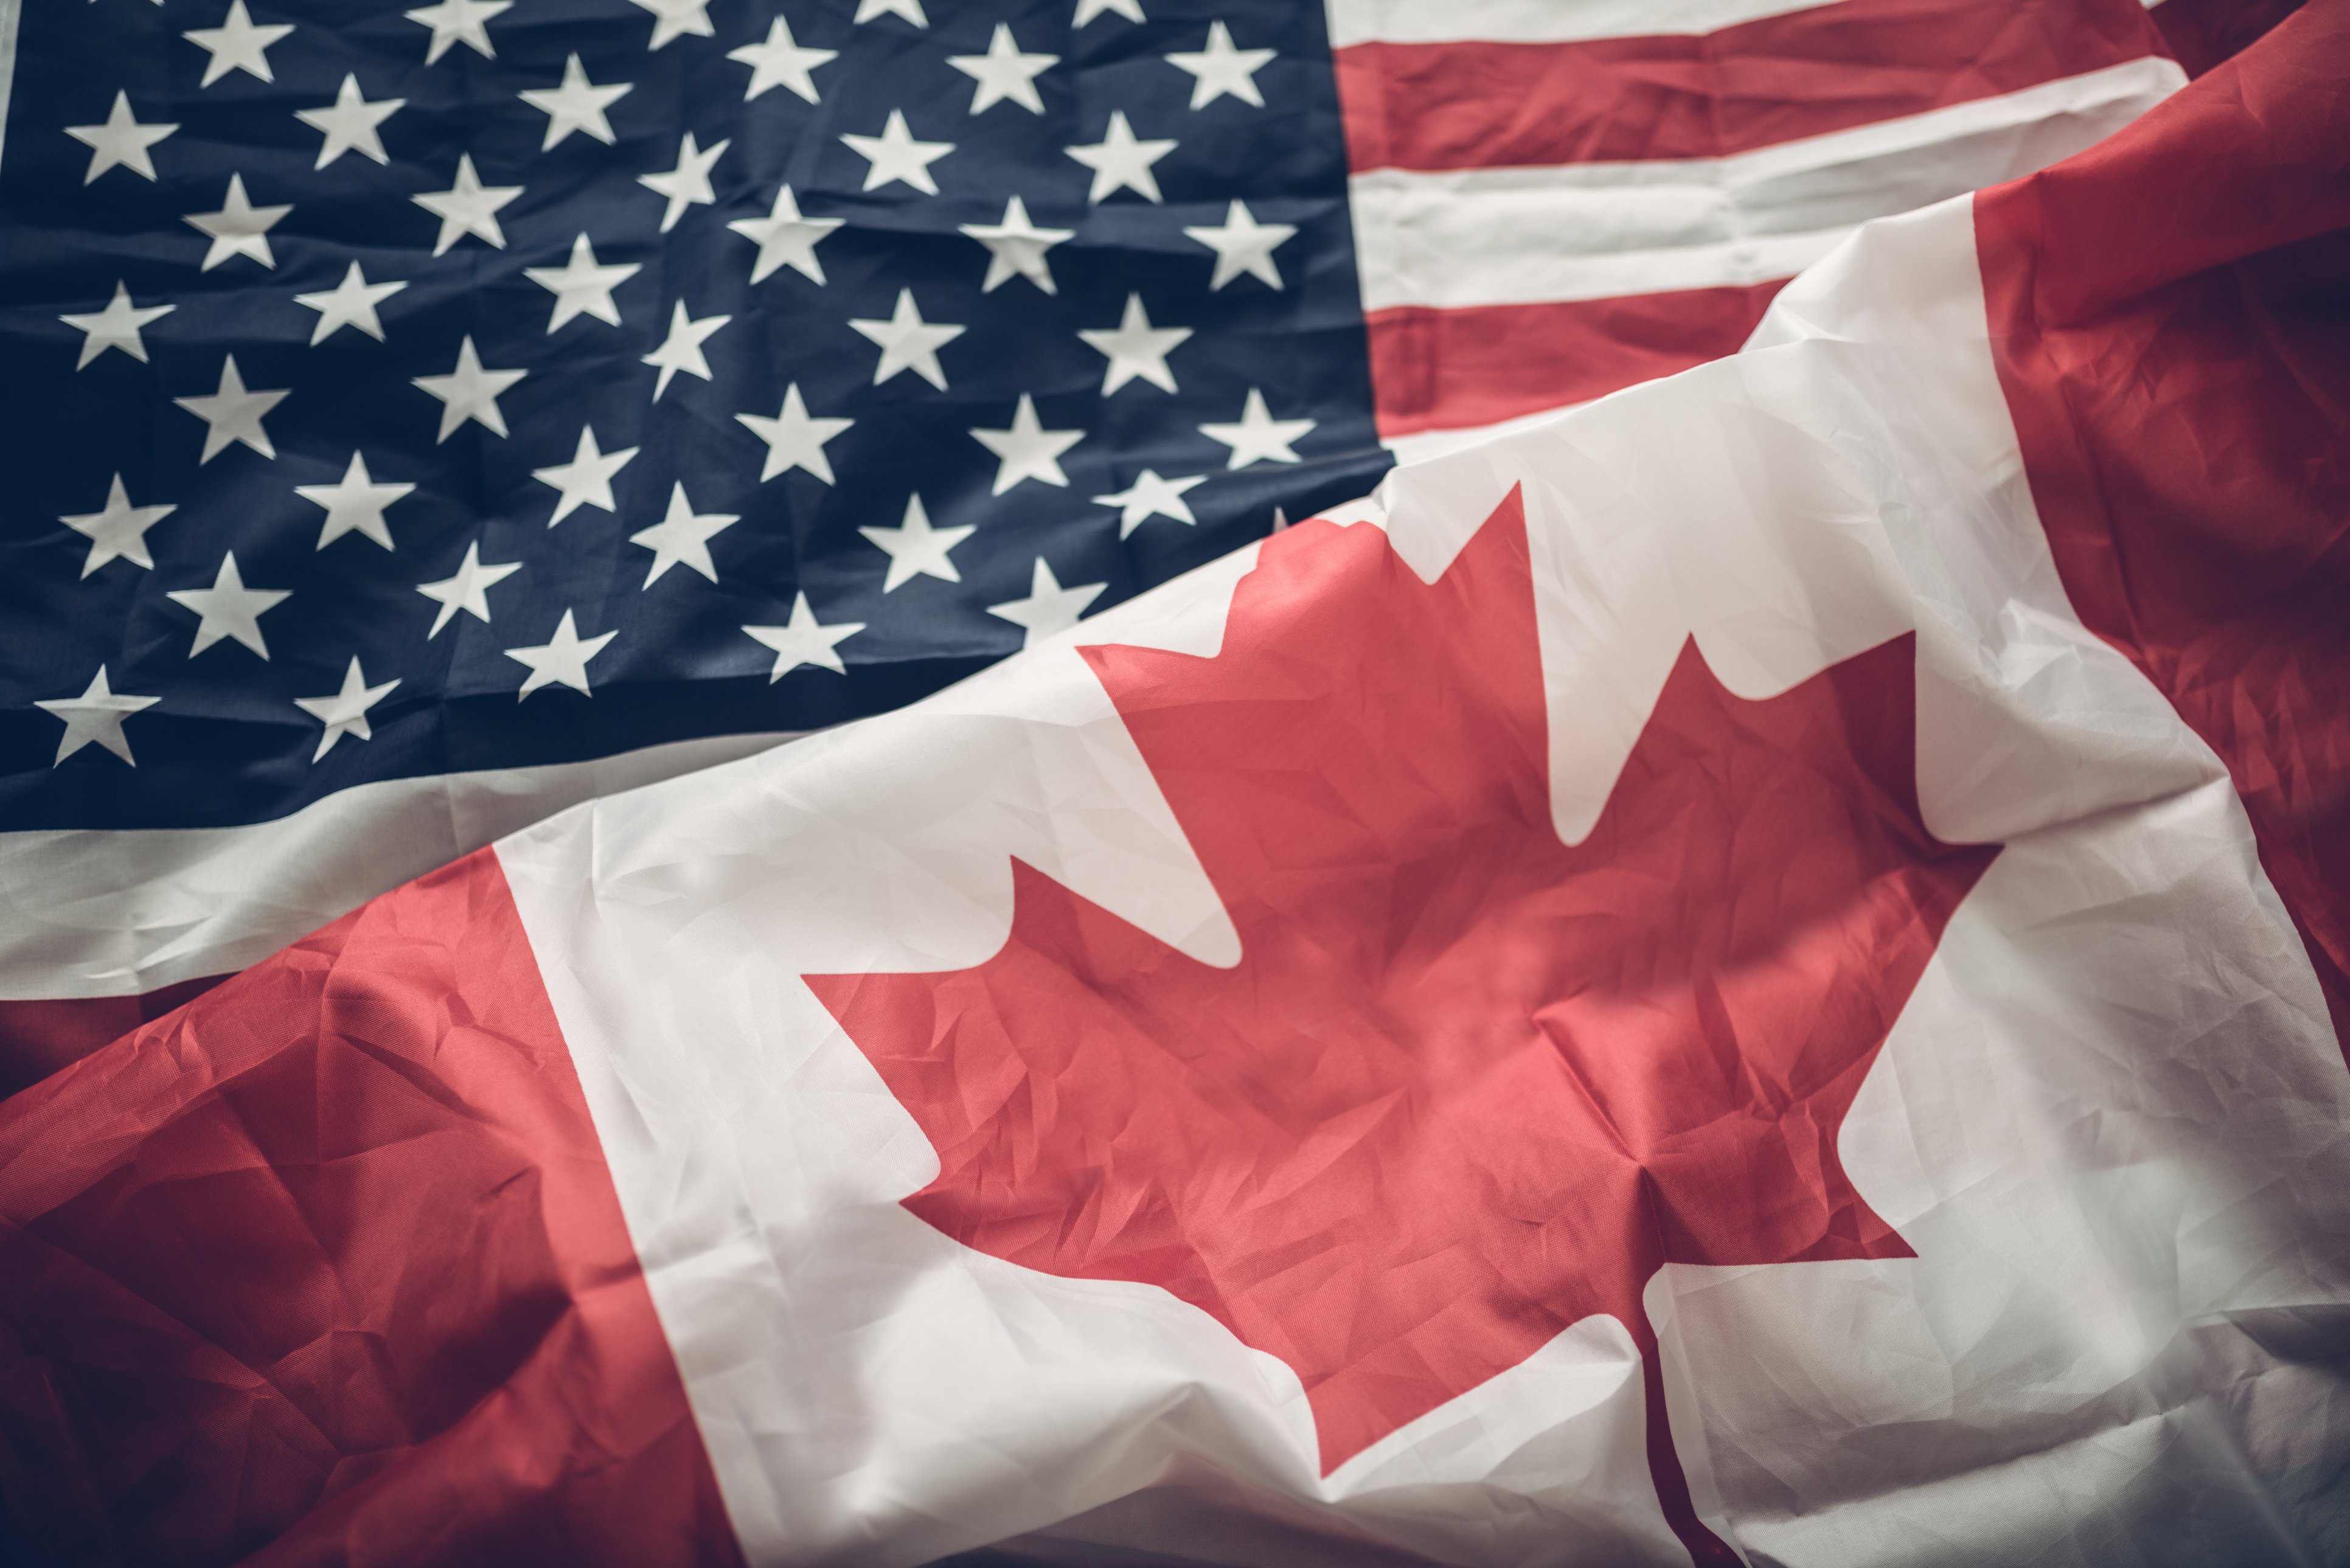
488	384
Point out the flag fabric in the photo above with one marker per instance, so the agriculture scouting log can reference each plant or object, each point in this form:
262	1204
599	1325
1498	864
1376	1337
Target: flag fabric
1754	972
1552	202
422	419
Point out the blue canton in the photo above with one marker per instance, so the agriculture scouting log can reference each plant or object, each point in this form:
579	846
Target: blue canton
394	391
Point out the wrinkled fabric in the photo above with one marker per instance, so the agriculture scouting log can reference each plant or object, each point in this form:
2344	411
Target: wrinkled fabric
325	1268
962	1210
1467	1086
544	1212
2179	370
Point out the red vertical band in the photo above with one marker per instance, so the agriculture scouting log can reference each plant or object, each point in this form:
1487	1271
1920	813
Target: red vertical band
40	1037
327	1267
2170	314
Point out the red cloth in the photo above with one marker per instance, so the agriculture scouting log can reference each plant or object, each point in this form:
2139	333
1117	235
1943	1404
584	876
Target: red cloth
2171	313
327	1268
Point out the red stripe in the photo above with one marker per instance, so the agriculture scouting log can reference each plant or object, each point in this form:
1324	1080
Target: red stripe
2170	312
1455	370
1833	68
38	1038
327	1267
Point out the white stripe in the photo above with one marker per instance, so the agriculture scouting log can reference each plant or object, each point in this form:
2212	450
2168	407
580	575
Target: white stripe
11	17
1599	231
112	913
1537	21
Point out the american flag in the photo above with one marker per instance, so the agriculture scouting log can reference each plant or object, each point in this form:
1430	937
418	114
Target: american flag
418	418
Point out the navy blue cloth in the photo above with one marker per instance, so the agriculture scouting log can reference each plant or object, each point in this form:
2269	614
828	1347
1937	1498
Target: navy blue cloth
225	743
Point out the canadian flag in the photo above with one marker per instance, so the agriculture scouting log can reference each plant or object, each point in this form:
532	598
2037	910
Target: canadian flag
1755	971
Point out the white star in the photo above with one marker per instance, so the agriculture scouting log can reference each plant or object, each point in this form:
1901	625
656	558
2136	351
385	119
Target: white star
237	44
896	155
688	184
459	22
1004	73
1222	70
795	438
1089	9
351	303
355	503
581	286
469	591
1258	437
1151	496
681	350
673	19
577	105
587	479
345	712
562	660
804	641
908	343
350	124
232	414
683	537
916	549
238	229
467	207
781	62
1049	609
469	392
1136	348
1280	519
1121	163
95	715
1016	247
1242	245
120	140
1027	451
116	326
785	239
911	10
228	608
118	530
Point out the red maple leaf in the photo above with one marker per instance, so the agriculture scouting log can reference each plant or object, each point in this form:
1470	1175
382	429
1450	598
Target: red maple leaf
1467	1085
